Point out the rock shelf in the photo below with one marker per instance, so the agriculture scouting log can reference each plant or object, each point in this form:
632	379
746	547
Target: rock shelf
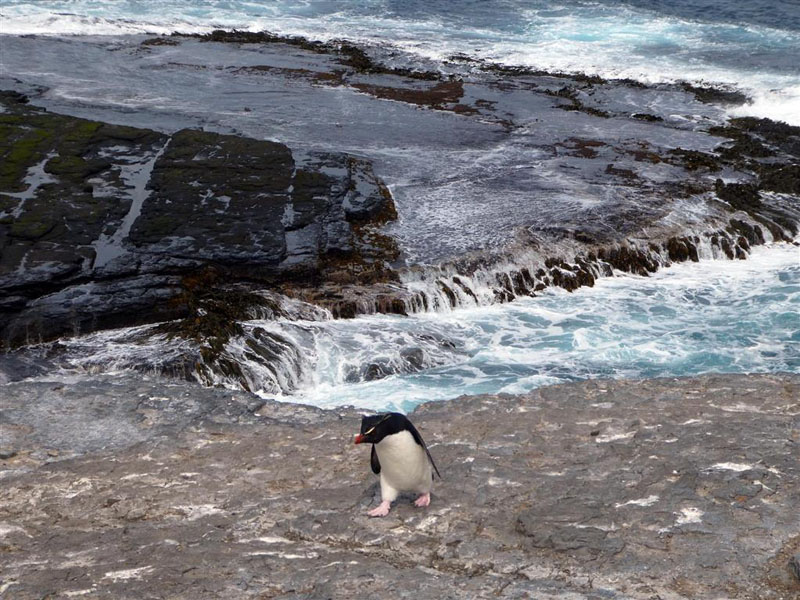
144	488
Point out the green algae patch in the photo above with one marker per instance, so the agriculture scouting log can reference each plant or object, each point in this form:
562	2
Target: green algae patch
31	227
21	147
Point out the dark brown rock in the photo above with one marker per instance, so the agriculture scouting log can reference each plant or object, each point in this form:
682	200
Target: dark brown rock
716	95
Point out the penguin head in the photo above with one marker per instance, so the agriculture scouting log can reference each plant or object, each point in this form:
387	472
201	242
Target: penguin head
376	427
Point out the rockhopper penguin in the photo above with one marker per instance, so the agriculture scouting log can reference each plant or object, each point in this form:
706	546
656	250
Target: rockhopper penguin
400	457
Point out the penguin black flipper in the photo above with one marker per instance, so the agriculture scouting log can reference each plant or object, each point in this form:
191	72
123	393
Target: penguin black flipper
374	462
418	438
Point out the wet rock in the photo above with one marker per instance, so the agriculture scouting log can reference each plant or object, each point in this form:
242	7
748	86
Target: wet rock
577	101
443	95
781	135
624	173
630	260
310	224
414	357
681	250
376	370
741	196
726	247
451	296
693	160
744	144
224	195
720	95
159	41
409	360
780	178
110	224
647	117
350	55
752	233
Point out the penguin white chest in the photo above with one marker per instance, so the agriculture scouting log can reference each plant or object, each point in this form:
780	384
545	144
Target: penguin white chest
404	464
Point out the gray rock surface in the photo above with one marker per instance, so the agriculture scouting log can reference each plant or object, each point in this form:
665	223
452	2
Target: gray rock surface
143	488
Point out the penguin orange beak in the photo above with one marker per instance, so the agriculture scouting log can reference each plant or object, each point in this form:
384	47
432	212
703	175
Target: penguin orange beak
359	439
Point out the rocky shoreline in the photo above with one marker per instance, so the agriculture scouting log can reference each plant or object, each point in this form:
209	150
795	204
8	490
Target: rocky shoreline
107	225
198	189
134	487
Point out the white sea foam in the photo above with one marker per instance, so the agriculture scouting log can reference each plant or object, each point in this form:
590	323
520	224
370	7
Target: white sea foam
712	316
611	41
691	318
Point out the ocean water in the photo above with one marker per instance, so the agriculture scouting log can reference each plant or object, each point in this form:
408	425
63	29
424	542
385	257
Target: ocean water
714	316
751	45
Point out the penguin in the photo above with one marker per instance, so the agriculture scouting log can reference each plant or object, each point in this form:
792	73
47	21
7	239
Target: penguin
400	456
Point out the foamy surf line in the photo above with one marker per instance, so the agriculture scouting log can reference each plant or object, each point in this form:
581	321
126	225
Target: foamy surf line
714	316
692	318
613	43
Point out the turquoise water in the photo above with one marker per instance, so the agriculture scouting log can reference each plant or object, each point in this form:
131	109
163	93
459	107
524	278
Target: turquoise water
712	316
693	318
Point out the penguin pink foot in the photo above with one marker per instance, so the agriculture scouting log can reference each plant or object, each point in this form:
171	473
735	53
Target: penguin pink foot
423	500
381	510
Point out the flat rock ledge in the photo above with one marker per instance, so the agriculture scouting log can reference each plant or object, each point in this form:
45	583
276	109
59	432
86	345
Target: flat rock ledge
131	487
